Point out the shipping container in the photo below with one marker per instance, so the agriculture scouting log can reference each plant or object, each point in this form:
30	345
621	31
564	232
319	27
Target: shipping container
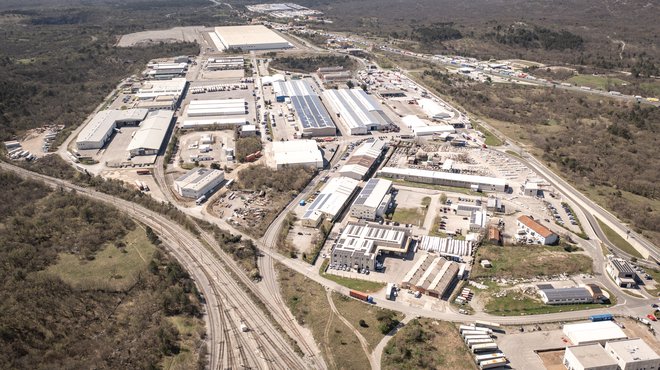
475	342
601	317
485	347
486	324
490	364
489	356
143	172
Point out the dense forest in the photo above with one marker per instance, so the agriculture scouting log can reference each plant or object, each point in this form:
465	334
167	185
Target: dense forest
48	323
535	37
312	63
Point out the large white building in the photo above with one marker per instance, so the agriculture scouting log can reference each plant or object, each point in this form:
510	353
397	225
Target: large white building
198	182
633	354
363	159
477	183
534	232
358	111
217	107
373	200
148	139
153	89
360	243
296	153
593	332
249	37
331	201
166	71
99	129
435	110
588	357
219	123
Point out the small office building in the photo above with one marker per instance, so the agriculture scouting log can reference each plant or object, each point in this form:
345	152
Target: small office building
198	182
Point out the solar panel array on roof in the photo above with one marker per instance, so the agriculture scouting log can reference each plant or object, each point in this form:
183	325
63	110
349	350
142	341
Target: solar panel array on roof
311	112
566	294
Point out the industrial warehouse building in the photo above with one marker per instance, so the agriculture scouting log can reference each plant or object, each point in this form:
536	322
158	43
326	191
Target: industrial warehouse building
360	243
296	153
431	275
153	89
373	201
435	110
593	332
331	201
550	295
148	139
476	183
633	354
198	182
363	159
225	63
311	115
422	127
626	354
166	71
217	107
250	37
219	123
588	357
534	232
358	111
453	248
99	129
621	272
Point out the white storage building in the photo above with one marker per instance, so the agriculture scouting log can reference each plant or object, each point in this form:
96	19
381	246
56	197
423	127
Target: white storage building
359	112
331	201
588	357
198	182
593	332
373	200
435	110
148	139
99	129
220	123
448	247
153	89
633	354
296	153
249	37
479	183
218	107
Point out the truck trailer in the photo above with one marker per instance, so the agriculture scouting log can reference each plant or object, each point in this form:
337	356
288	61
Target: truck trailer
361	296
490	364
489	356
485	347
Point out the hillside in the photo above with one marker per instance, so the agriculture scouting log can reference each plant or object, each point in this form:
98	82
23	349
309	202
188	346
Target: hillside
54	245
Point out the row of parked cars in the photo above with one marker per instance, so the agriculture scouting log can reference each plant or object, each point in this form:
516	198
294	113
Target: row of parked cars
344	267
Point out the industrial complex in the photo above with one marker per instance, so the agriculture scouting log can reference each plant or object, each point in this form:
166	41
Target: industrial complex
358	112
246	38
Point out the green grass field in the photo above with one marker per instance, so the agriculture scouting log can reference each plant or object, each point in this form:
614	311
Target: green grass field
617	240
113	268
413	216
596	82
490	140
356	284
529	261
190	331
516	304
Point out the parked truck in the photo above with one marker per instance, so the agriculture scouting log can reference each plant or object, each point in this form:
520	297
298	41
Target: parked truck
389	291
200	200
138	183
361	296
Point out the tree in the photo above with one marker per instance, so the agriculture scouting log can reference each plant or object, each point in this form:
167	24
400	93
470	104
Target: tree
363	324
350	84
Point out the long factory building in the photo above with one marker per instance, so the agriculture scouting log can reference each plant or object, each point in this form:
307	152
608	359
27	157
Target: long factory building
311	115
331	201
360	243
431	275
217	107
149	138
358	111
99	129
473	182
373	201
363	159
153	89
198	182
249	37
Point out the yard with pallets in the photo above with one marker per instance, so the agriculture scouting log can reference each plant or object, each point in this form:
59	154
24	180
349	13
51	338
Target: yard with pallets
309	304
427	344
529	261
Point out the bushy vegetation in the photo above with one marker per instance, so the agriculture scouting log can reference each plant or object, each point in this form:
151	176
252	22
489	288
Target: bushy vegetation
534	37
260	177
312	63
436	32
246	146
48	323
427	344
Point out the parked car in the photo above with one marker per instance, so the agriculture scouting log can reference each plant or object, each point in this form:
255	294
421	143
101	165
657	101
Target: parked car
651	317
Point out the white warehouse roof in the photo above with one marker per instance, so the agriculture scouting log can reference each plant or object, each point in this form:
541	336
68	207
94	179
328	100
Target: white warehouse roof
230	121
434	109
250	37
157	88
593	332
467	179
198	181
104	121
152	131
333	197
358	110
433	129
633	351
297	152
373	193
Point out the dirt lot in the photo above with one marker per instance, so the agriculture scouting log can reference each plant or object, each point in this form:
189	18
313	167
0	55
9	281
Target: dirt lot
189	34
553	360
189	145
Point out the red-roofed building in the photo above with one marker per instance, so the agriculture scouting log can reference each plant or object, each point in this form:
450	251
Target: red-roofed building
534	232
